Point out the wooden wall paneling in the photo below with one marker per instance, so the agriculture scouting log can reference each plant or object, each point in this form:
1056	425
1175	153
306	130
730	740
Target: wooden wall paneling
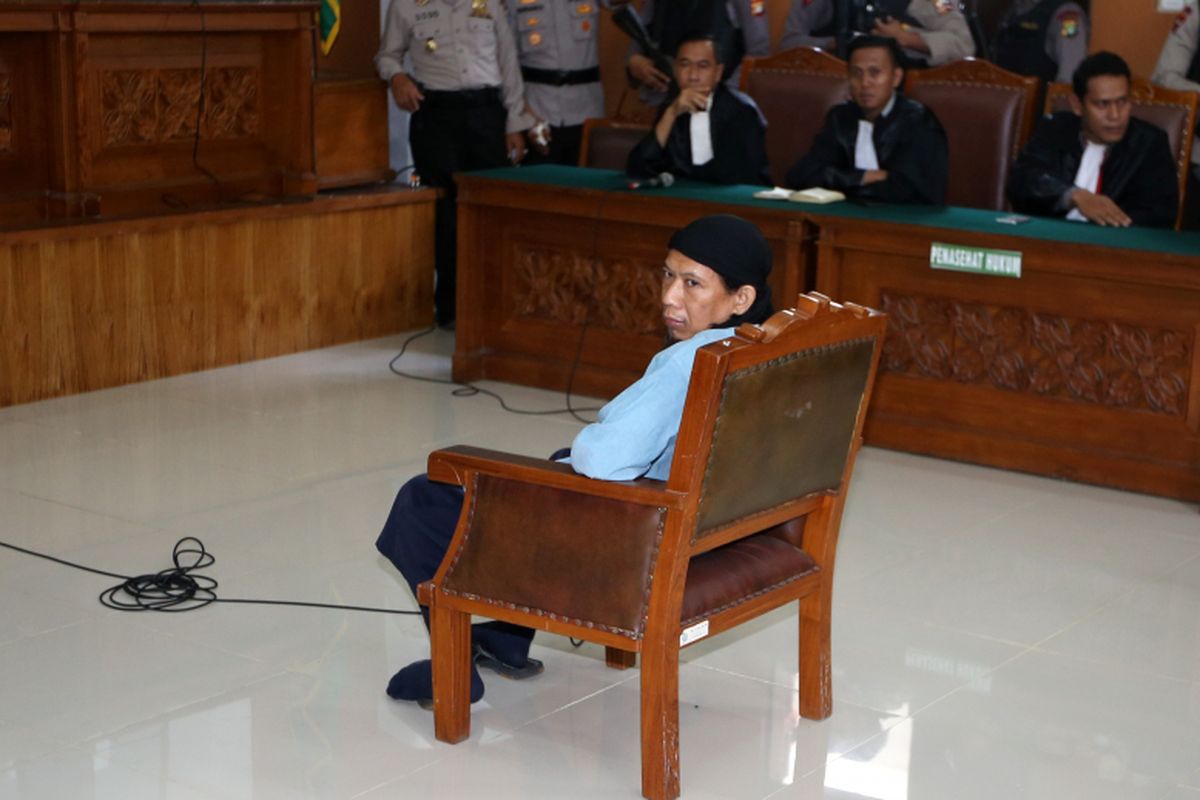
1134	30
104	304
353	53
289	70
25	152
351	132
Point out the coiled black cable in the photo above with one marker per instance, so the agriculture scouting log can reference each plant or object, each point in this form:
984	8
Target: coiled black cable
178	588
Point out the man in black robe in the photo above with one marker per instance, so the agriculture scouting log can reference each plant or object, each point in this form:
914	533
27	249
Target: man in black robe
1098	164
706	132
878	145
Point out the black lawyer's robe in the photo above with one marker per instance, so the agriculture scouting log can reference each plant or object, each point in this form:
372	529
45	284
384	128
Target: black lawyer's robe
1138	172
909	143
739	141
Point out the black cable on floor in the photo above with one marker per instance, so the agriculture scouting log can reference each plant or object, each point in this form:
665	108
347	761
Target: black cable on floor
178	588
470	389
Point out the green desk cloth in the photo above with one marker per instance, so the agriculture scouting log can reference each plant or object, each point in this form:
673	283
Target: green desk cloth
946	218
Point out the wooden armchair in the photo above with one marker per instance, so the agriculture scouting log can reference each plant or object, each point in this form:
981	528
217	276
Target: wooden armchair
1170	109
794	90
607	143
988	114
747	522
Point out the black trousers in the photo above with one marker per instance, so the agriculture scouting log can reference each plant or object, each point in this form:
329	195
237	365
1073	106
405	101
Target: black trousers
1191	206
415	539
454	132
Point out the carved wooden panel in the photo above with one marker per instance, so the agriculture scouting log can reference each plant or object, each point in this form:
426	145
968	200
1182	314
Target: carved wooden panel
160	105
1099	362
6	116
573	288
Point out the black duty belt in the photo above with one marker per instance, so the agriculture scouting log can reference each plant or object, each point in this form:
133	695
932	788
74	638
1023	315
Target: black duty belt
560	77
463	98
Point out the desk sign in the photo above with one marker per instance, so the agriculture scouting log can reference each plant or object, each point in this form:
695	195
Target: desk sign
1004	263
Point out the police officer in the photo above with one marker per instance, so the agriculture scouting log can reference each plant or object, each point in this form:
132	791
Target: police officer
467	102
931	32
557	48
741	31
1179	68
1044	38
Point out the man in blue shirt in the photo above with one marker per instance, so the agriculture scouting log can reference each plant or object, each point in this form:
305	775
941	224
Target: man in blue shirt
714	278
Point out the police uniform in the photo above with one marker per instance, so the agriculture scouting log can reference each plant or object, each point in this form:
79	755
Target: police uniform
1043	38
1179	68
464	60
747	20
557	48
940	23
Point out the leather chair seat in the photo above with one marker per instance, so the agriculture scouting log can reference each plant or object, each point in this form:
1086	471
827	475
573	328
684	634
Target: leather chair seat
738	571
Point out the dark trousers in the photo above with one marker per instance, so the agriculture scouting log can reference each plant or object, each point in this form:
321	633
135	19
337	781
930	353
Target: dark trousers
1191	206
454	132
564	147
415	539
418	530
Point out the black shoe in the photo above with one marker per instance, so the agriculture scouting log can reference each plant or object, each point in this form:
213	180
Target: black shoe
531	669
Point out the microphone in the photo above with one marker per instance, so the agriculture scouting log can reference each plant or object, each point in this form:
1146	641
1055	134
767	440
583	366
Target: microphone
662	180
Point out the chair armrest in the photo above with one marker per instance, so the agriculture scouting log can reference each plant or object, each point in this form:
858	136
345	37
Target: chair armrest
453	464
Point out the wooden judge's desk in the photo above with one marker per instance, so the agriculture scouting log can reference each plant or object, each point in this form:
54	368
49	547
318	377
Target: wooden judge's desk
1086	366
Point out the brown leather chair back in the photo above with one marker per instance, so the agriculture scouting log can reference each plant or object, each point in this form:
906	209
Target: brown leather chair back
793	90
1173	111
987	113
793	418
607	143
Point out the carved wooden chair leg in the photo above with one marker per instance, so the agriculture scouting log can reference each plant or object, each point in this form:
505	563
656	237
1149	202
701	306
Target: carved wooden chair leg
816	675
450	637
619	659
660	722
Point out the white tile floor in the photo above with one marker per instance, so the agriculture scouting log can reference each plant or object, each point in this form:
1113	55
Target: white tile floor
996	635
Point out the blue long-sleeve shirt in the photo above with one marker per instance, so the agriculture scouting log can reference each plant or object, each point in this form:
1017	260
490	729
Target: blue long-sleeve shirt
634	433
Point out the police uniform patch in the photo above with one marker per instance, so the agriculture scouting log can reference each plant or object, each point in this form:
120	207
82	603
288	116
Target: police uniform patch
943	6
1068	24
1182	19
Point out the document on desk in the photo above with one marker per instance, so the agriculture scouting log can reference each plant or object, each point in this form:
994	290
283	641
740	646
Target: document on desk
814	195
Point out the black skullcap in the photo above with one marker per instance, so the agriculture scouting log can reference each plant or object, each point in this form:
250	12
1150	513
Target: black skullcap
734	249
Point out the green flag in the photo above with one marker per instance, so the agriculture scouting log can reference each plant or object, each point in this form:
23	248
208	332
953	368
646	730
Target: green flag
329	20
